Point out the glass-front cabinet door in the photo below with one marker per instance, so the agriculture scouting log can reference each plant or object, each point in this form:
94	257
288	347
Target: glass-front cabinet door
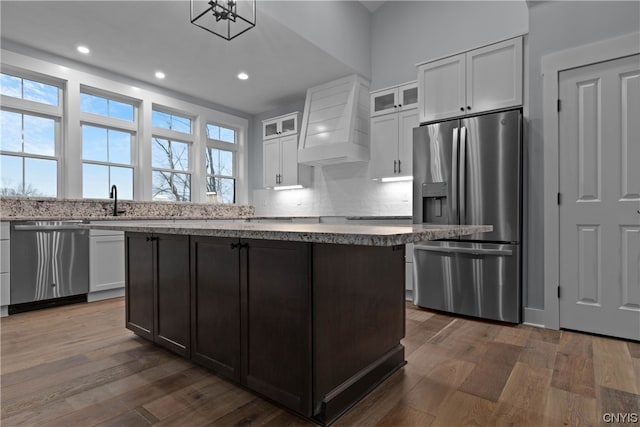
280	126
408	96
384	101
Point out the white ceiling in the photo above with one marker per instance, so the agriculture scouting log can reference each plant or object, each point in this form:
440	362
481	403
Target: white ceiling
136	38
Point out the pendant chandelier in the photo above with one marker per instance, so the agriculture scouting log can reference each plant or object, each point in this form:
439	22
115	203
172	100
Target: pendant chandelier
224	18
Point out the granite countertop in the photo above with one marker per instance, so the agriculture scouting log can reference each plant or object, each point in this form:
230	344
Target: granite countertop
369	235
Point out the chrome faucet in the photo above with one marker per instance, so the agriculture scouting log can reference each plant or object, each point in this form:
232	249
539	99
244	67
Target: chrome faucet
114	195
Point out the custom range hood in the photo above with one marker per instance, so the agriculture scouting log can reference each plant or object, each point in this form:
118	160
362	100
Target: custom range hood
335	124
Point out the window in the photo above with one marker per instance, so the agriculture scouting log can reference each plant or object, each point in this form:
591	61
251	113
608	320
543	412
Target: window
220	155
107	144
29	134
170	121
106	155
106	107
29	90
170	164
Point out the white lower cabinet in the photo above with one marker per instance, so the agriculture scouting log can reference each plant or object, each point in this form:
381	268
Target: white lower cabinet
106	263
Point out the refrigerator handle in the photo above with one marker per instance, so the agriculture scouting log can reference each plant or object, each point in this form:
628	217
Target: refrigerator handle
462	168
454	176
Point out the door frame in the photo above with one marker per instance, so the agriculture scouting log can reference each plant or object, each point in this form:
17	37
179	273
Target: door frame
552	65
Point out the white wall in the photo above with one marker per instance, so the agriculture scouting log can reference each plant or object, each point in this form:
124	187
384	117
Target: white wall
341	28
553	27
407	32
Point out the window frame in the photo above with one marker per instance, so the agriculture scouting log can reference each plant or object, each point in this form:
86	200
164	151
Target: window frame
174	136
38	109
110	123
233	147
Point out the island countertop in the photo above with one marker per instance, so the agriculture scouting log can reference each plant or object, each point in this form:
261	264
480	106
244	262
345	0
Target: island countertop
347	234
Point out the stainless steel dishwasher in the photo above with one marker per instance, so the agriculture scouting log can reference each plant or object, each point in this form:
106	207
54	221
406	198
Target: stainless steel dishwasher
49	264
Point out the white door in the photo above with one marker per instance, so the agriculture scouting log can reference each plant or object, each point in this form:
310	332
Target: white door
271	163
600	198
384	145
289	160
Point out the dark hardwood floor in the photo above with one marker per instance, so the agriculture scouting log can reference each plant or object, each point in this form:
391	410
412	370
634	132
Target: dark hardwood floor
78	366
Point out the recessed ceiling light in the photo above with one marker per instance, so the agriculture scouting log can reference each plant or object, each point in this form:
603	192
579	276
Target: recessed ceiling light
160	75
243	76
83	49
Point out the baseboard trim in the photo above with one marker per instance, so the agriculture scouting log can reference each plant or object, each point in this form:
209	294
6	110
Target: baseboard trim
102	295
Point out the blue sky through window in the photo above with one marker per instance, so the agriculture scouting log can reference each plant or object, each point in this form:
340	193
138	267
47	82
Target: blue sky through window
29	90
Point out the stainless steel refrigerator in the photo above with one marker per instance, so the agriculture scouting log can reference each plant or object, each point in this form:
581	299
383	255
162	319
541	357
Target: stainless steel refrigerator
469	171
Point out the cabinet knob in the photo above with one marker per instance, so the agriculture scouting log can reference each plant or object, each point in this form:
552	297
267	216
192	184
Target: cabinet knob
468	107
395	106
461	108
399	105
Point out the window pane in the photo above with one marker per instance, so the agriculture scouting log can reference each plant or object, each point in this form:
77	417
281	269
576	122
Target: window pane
40	92
95	181
123	179
181	124
39	135
11	175
171	186
94	143
213	132
40	177
120	110
171	121
93	104
11	132
219	162
11	86
160	119
228	135
119	147
223	187
170	154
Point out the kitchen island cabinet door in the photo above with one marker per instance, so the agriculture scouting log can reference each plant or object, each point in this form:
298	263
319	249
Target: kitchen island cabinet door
215	304
140	279
172	293
277	333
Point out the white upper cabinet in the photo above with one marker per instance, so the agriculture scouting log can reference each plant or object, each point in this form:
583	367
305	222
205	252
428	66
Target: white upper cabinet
394	99
485	79
392	132
280	126
280	153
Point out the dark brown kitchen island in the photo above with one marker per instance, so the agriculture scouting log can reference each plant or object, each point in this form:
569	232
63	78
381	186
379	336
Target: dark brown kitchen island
308	315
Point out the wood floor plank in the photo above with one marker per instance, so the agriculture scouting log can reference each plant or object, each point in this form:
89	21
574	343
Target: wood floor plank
401	415
78	366
565	408
574	374
463	409
612	365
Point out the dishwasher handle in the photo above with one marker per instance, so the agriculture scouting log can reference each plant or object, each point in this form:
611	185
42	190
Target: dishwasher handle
473	251
48	228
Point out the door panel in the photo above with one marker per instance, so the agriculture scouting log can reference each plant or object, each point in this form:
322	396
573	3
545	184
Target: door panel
139	283
407	120
441	89
599	182
289	159
490	168
384	145
432	164
475	279
271	162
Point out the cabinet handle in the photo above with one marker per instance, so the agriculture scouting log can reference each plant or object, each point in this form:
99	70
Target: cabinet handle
235	245
461	108
399	166
399	105
395	166
468	107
